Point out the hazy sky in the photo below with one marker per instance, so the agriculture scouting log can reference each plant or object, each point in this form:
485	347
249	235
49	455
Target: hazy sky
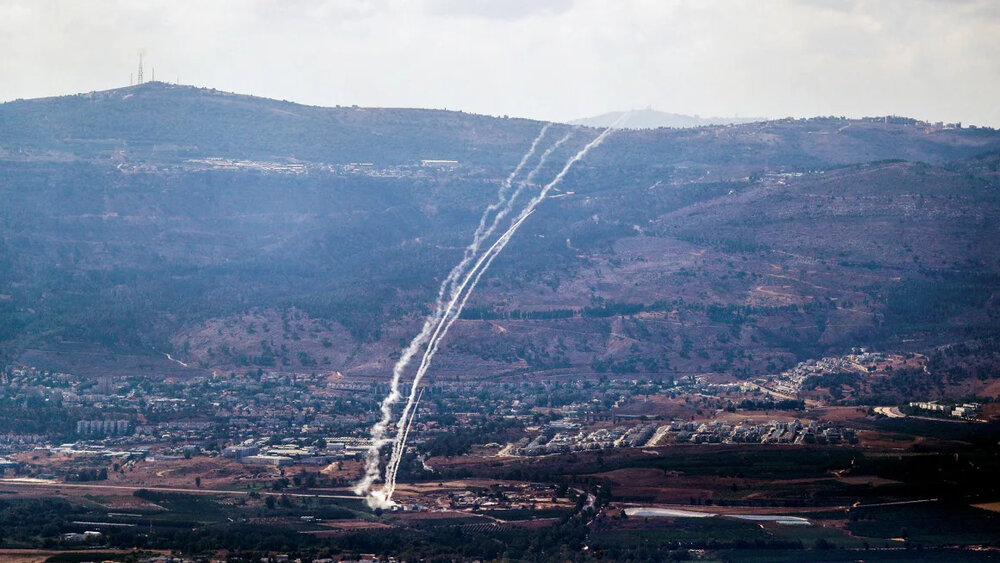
547	59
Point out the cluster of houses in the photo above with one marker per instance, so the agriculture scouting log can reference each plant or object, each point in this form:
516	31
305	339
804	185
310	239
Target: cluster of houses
859	361
964	410
256	452
771	432
102	427
559	439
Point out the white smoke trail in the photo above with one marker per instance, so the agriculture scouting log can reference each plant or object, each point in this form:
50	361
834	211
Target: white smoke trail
416	405
378	498
390	481
379	429
481	231
400	442
452	314
425	363
528	180
456	290
456	295
393	468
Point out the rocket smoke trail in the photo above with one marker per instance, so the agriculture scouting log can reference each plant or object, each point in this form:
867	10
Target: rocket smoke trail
481	231
379	429
393	468
413	416
457	291
530	178
432	344
451	315
378	499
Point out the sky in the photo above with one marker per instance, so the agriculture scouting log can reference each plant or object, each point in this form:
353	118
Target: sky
936	60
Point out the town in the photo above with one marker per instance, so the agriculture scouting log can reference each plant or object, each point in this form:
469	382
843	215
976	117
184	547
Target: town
280	419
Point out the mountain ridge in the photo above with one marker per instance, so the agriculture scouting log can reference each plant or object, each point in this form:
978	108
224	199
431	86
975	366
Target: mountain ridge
233	236
653	119
242	124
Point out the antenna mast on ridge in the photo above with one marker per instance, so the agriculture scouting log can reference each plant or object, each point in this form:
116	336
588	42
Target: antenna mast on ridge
139	76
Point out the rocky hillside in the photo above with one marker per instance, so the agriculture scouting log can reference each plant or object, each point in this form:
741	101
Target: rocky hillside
237	232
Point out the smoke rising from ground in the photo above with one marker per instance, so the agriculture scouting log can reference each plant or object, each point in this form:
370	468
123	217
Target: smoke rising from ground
482	232
436	326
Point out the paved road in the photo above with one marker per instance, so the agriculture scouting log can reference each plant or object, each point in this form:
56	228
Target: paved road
132	489
897	503
891	412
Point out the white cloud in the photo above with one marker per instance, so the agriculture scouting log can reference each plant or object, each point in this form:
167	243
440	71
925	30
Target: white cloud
555	59
491	9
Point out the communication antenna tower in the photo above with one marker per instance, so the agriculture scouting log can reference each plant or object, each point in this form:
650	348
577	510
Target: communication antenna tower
139	79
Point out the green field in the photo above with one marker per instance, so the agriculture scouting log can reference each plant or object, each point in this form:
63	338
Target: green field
931	524
897	554
785	463
668	532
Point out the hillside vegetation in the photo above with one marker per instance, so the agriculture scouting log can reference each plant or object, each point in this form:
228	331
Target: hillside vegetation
234	231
